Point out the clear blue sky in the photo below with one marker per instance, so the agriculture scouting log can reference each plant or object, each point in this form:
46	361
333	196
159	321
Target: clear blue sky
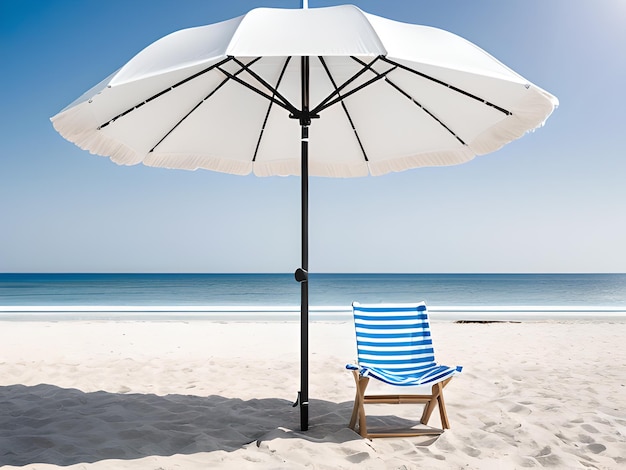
553	201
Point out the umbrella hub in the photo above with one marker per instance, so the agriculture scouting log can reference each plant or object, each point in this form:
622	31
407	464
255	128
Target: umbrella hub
304	117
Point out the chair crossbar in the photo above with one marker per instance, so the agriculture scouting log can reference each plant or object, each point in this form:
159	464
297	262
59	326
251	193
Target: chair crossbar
396	399
400	434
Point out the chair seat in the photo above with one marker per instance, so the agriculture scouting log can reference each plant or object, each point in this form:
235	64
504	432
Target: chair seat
435	373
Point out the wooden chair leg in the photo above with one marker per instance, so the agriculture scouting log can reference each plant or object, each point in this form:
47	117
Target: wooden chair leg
437	399
358	411
363	381
430	405
445	424
357	401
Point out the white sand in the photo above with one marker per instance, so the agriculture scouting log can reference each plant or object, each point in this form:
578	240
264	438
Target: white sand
202	394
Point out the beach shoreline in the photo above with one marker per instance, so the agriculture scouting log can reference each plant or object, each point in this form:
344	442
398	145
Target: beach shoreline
197	393
263	313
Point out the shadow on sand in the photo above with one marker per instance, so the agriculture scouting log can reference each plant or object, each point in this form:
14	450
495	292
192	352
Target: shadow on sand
53	425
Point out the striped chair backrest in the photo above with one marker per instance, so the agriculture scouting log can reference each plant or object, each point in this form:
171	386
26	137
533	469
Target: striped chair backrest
394	337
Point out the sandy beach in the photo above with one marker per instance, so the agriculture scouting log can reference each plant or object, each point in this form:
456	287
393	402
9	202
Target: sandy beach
208	394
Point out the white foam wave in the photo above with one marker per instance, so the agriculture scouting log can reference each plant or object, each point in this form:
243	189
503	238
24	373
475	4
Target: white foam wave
264	312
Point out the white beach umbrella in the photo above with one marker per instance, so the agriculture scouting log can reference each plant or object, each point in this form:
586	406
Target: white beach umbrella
239	96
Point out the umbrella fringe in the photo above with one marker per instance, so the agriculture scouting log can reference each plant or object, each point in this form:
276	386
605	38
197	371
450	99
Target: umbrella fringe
397	164
529	114
196	162
78	126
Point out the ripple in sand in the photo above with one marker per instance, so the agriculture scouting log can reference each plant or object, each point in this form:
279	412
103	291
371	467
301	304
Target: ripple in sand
596	448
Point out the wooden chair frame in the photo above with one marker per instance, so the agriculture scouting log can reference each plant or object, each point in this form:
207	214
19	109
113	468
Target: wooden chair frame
430	401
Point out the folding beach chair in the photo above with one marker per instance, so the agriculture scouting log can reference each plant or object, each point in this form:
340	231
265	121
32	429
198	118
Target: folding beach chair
394	346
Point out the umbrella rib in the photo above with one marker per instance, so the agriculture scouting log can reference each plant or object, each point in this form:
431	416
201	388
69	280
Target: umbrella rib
418	104
269	108
196	107
345	109
282	102
353	91
182	82
425	110
452	87
326	102
188	114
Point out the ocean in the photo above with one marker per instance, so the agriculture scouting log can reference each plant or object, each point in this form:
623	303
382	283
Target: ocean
595	294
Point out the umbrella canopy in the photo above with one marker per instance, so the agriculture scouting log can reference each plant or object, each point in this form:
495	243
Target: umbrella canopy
390	96
239	97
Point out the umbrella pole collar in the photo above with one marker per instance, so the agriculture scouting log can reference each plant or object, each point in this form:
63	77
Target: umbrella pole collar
301	275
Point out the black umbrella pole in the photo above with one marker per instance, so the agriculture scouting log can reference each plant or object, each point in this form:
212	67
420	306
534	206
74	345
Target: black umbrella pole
305	121
304	287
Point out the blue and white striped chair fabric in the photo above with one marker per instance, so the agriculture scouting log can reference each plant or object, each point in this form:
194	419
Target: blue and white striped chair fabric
394	345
